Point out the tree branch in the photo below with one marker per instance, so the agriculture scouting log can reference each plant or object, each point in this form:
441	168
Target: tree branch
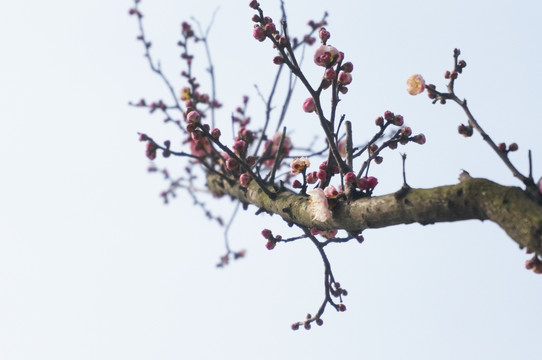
509	207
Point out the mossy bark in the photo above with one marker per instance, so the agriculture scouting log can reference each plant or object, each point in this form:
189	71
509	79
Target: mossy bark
516	213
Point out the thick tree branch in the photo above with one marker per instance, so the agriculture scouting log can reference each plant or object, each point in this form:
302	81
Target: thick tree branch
516	213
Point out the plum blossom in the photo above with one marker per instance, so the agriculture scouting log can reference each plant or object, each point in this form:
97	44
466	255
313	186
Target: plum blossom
318	205
415	84
330	191
326	55
299	165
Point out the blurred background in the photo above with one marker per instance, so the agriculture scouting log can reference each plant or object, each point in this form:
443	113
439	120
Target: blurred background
93	265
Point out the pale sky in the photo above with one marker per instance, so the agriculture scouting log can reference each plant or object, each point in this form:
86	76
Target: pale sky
94	266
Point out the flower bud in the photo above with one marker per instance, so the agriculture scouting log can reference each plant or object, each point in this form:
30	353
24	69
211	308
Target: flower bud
216	133
193	117
347	67
266	233
278	60
259	33
330	74
350	177
513	147
244	179
419	139
344	78
254	4
465	130
324	35
309	105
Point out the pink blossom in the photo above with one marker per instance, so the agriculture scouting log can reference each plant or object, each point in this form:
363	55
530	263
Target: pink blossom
318	205
342	148
330	191
299	165
309	105
326	55
415	84
344	78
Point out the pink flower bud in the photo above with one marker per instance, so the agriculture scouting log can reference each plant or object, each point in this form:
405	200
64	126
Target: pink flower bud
216	133
244	179
321	175
270	245
270	28
367	183
330	74
324	35
232	164
344	78
254	4
150	151
259	33
415	84
278	60
350	177
239	147
419	139
406	131
309	105
347	67
398	120
266	233
193	117
297	184
379	121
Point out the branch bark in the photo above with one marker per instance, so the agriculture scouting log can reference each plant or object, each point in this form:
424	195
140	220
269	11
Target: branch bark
509	207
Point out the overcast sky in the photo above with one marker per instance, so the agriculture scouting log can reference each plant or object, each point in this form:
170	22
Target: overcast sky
94	266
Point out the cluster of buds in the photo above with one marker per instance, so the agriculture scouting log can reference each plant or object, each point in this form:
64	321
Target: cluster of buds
506	149
265	27
337	290
271	239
